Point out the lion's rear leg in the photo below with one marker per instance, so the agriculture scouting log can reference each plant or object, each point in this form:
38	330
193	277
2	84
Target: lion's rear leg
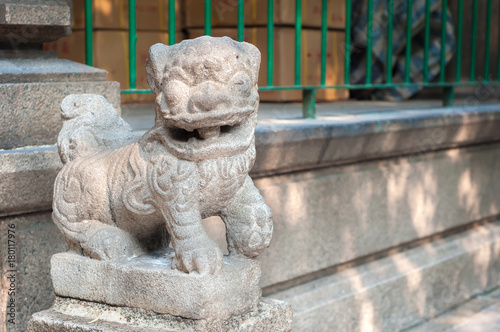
97	240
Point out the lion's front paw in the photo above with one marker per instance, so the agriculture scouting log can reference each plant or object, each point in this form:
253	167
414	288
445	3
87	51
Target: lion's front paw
201	256
253	236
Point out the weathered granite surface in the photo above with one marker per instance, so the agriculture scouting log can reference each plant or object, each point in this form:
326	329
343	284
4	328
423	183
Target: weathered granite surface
36	240
374	206
47	70
151	283
481	313
28	23
21	127
27	179
36	12
32	85
69	315
192	164
285	145
399	291
485	321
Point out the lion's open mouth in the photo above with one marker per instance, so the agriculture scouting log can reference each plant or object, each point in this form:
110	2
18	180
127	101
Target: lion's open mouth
183	135
209	142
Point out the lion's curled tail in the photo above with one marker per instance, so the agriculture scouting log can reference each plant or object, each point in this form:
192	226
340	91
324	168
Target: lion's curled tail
90	124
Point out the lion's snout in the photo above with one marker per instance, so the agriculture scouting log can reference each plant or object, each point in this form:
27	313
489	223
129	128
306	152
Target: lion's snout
209	98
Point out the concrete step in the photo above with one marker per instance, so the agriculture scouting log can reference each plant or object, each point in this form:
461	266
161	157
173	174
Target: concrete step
402	290
47	69
31	112
32	86
480	314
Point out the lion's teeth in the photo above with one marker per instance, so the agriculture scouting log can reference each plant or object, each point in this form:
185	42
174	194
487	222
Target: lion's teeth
208	132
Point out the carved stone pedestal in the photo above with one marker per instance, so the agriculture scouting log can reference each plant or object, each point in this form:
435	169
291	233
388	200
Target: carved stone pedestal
70	315
149	282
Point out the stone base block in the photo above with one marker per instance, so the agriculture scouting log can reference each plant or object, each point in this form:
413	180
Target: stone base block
70	315
150	283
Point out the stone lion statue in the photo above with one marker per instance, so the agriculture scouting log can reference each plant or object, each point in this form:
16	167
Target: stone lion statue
116	198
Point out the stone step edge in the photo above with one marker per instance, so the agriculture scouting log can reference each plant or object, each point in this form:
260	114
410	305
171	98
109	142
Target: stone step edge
461	315
319	302
48	70
68	315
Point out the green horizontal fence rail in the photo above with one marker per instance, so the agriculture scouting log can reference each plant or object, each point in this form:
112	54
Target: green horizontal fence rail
309	91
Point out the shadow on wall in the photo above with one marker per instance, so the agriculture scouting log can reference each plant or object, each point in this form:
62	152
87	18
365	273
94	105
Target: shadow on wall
329	219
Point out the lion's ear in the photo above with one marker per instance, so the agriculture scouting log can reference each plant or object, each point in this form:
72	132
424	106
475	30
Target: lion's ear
155	65
254	57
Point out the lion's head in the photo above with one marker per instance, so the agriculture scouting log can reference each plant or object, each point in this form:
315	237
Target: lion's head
206	95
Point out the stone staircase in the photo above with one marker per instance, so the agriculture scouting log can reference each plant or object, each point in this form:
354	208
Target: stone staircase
479	314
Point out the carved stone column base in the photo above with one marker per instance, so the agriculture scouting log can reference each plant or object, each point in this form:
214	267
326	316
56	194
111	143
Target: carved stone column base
70	315
149	282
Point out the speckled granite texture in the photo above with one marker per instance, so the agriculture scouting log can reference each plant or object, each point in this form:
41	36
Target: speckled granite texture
30	112
28	22
47	70
149	282
36	12
69	315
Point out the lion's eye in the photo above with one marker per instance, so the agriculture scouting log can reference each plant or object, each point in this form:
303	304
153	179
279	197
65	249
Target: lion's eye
241	83
175	92
177	73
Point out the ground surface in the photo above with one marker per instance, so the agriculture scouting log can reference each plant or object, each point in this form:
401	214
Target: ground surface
480	314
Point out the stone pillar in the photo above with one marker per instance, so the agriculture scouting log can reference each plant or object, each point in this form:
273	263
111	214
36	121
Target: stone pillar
32	85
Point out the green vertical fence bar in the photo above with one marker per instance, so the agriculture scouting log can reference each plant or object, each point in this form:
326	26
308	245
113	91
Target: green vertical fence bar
347	50
89	55
448	96
208	17
298	39
309	103
369	37
460	28
449	91
309	91
427	39
324	31
390	19
442	60
241	20
171	22
498	50
409	22
132	41
488	46
270	41
472	73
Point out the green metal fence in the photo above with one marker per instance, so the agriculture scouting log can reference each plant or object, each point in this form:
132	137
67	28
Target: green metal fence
309	91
